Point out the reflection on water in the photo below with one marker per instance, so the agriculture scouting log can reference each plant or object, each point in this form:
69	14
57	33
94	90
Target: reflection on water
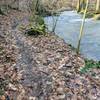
68	27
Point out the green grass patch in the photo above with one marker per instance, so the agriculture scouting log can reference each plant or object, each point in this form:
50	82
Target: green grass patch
89	64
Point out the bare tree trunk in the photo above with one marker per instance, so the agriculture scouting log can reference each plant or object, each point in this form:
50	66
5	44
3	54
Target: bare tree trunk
78	6
54	23
81	5
97	6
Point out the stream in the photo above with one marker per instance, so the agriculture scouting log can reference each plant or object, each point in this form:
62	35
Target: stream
68	28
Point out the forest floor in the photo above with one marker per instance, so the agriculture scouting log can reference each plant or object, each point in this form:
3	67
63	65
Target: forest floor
41	68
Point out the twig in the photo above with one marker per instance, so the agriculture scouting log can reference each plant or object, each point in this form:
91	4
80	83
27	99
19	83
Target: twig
97	82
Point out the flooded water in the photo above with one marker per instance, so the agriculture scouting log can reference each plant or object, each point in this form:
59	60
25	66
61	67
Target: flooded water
68	27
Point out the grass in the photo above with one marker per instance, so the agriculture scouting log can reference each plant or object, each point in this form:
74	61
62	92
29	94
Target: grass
89	64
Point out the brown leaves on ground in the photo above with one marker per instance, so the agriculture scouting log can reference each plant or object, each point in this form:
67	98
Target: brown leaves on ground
42	68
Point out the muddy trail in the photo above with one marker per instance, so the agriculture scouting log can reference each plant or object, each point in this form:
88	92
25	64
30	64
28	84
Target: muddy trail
45	67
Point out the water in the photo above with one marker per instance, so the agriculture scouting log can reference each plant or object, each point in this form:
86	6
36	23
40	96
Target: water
68	27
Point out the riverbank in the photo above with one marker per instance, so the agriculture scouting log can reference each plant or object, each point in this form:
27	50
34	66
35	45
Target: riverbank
40	68
73	20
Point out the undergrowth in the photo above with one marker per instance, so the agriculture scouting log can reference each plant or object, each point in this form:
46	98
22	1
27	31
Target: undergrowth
36	27
89	64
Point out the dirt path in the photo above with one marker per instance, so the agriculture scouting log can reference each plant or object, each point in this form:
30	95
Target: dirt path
34	76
